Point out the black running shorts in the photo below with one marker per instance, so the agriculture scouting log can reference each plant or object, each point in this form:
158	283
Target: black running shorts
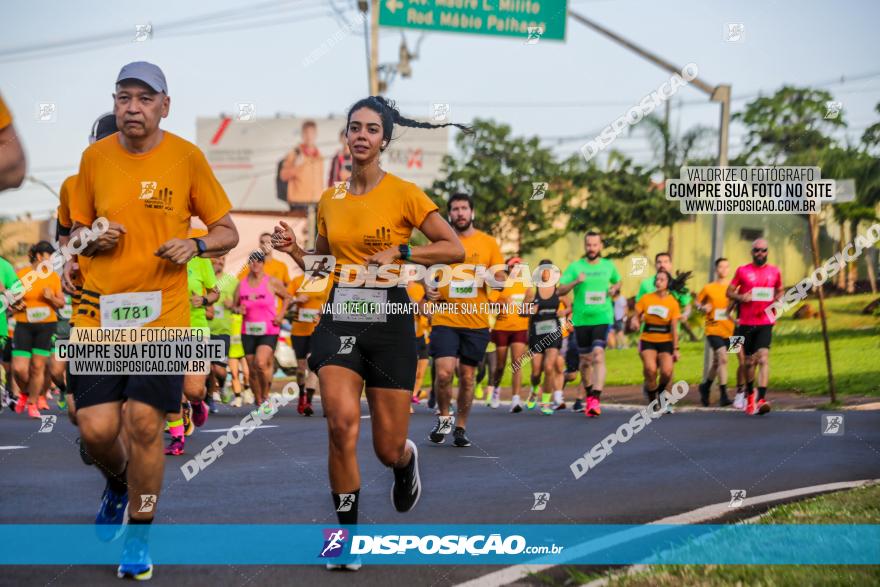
301	346
589	337
717	342
468	344
756	337
382	353
160	391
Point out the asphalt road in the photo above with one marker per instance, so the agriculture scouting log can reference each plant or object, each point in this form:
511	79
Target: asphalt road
278	475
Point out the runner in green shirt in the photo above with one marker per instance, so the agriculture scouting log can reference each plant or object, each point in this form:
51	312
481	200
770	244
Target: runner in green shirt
8	278
595	282
221	327
662	261
201	283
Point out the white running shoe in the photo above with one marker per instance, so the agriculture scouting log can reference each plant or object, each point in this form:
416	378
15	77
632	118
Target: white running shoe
515	405
496	398
248	396
739	402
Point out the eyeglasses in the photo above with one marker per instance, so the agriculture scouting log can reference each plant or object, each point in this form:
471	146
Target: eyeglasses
759	250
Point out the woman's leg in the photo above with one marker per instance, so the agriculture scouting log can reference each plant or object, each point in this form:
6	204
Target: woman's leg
340	396
254	375
518	351
649	364
264	360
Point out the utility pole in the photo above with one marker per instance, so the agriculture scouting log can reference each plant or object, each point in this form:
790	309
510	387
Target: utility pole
814	242
374	47
716	93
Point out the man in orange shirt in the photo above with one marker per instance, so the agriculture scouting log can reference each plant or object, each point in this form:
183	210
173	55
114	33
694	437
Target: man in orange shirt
713	300
12	160
460	333
147	183
271	266
35	325
307	313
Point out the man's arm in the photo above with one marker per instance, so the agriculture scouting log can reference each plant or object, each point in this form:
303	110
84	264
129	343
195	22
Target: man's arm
12	160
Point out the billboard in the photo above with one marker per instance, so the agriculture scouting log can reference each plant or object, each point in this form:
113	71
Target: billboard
269	164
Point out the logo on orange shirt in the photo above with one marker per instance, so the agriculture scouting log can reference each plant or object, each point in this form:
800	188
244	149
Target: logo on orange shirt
382	238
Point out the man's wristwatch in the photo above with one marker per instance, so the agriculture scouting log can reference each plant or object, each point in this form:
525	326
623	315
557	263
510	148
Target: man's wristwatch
205	302
405	252
200	246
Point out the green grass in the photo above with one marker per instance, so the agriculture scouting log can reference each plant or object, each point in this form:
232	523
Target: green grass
797	359
857	506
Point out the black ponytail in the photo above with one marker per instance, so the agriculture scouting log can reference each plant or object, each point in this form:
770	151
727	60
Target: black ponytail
678	284
390	115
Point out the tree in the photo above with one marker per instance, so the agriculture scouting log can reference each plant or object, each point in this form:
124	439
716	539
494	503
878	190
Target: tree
789	123
619	202
498	170
674	151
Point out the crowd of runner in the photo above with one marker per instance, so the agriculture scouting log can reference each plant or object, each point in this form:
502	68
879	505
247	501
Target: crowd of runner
561	319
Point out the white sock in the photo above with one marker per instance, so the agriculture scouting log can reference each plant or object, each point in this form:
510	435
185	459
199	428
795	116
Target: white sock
557	397
515	401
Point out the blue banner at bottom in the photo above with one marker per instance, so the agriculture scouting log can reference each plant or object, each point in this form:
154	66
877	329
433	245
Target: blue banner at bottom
75	544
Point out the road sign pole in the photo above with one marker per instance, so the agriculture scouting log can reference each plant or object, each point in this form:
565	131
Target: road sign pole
814	242
374	47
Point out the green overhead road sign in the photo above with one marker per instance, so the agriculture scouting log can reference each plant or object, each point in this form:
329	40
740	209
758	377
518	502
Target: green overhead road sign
529	19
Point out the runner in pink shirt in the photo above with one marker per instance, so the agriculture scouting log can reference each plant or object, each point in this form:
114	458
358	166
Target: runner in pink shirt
755	286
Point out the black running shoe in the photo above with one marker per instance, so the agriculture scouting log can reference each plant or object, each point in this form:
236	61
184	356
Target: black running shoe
407	485
578	406
460	439
705	388
441	429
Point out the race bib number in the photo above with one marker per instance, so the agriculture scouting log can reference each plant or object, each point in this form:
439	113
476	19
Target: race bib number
130	309
594	298
462	289
307	315
762	294
518	299
659	311
720	315
66	312
219	311
37	314
235	339
255	328
543	327
360	305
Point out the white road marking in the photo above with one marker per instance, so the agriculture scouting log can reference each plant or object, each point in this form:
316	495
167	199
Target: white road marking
12	447
697	516
473	457
239	428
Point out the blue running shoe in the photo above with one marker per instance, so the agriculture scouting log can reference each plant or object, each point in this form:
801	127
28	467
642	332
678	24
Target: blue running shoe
110	521
136	562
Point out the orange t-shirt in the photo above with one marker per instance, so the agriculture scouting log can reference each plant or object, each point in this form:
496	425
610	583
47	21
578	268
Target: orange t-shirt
467	298
357	226
273	268
5	115
307	313
717	321
507	321
153	195
416	293
37	308
657	315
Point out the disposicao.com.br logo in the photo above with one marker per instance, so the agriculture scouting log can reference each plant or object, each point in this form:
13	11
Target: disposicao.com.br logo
475	545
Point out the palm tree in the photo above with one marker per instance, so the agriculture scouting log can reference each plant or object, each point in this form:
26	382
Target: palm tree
673	150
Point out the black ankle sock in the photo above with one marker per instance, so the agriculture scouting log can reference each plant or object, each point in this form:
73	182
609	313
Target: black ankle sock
762	391
723	389
117	483
594	393
310	393
750	387
302	392
349	503
62	388
588	389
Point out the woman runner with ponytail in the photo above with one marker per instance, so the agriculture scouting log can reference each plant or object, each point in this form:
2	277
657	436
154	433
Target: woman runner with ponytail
369	223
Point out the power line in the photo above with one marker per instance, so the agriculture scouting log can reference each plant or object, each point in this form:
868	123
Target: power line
91	42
